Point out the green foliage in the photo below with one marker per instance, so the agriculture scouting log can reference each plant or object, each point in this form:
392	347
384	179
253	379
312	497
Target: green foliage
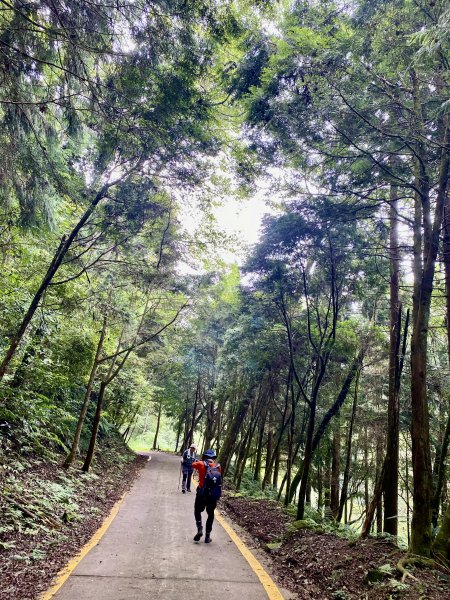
252	489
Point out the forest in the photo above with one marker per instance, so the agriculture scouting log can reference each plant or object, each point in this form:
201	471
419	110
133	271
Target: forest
317	365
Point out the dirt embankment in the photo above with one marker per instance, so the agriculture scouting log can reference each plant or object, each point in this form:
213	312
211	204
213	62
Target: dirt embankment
48	513
313	564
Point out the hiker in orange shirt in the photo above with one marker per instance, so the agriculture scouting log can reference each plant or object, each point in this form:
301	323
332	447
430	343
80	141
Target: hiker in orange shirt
209	491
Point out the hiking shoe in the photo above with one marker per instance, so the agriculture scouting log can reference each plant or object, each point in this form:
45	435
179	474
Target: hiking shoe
183	491
189	490
198	535
207	539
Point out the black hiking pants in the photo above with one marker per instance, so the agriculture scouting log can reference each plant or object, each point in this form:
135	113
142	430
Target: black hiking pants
200	505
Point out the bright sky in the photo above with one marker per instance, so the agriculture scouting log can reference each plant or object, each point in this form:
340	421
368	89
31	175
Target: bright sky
235	217
243	219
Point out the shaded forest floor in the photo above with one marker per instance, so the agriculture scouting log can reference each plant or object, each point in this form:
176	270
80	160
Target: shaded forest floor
47	513
314	564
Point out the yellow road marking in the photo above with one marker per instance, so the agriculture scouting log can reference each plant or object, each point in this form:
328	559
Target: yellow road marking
63	575
268	583
266	580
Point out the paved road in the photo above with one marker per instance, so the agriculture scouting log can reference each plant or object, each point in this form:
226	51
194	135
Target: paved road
148	551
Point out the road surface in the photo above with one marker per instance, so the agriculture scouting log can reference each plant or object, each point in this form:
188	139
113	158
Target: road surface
148	551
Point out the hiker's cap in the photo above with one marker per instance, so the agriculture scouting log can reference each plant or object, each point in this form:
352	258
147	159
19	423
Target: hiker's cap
209	453
193	446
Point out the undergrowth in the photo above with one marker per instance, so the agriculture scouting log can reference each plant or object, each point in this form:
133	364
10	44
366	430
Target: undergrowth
313	519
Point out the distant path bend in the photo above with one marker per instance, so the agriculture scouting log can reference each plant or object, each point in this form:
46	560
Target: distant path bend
148	551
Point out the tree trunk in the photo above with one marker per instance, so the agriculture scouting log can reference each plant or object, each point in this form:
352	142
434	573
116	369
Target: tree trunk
95	424
276	467
186	424
441	545
319	488
348	457
158	422
178	436
379	477
209	429
230	440
423	288
307	459
87	397
244	452
23	369
327	484
390	482
440	472
290	449
190	435
259	449
335	471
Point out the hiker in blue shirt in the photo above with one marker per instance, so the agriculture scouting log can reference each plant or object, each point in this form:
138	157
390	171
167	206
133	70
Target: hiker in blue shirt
189	457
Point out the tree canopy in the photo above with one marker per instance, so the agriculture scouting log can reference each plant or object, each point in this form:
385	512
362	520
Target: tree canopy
319	367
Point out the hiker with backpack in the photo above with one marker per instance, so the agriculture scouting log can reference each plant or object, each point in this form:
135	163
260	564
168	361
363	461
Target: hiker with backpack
209	491
189	457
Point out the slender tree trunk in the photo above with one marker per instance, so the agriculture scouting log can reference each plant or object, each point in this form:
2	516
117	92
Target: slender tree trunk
408	508
178	436
390	483
335	470
158	423
308	493
381	475
186	423
209	430
87	397
269	451
190	436
366	473
230	440
272	456
312	440
259	448
95	425
348	456
327	484
290	449
319	488
23	369
245	454
379	467
276	467
440	472
306	460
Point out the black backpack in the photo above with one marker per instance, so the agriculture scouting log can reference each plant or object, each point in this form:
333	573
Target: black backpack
212	487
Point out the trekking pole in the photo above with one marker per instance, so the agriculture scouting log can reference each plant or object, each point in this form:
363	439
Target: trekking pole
179	478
